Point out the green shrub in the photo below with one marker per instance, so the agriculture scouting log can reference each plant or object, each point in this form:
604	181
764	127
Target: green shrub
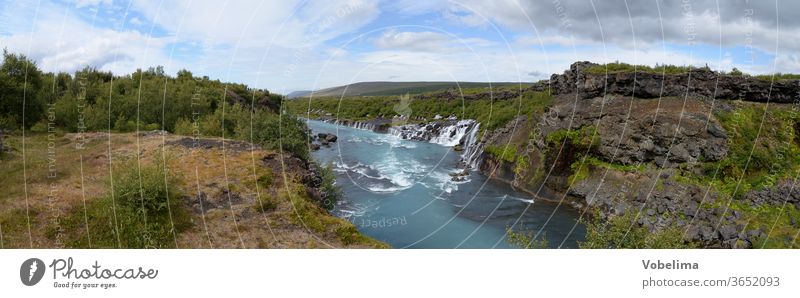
141	210
265	203
623	232
526	240
506	153
762	149
332	192
275	132
184	127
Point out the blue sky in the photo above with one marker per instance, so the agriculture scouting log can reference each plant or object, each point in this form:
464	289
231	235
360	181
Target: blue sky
298	45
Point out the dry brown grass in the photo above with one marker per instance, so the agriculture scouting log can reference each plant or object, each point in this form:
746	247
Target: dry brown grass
228	180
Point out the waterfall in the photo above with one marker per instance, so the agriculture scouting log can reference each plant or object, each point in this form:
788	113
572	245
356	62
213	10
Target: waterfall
353	124
446	133
472	148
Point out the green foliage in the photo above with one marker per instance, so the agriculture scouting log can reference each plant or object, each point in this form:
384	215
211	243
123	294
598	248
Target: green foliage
141	210
585	137
526	240
778	76
763	149
332	192
21	98
266	203
623	232
617	67
774	220
276	132
184	127
148	99
580	167
506	153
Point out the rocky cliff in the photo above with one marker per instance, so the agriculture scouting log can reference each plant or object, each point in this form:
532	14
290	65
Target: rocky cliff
697	82
700	151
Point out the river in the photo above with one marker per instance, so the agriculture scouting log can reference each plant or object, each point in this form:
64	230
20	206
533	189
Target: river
400	192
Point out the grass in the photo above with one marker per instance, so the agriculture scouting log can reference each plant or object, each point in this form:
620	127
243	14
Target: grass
14	227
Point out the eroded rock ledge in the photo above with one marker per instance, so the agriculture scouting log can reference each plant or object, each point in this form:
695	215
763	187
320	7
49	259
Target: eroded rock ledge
698	82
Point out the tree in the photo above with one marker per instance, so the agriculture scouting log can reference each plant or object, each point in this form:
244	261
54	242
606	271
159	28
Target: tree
20	84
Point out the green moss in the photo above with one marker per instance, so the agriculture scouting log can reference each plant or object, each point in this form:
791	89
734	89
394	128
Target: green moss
585	137
580	171
506	153
615	166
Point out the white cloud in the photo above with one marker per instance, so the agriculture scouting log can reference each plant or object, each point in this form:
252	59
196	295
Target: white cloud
60	41
87	3
415	41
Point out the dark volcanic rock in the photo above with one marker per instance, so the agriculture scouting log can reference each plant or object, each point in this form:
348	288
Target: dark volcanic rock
786	191
700	82
667	132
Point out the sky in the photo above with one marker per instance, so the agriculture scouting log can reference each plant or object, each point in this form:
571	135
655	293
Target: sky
289	45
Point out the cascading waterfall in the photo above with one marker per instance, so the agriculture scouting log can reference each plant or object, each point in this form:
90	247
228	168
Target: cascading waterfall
354	124
472	148
446	133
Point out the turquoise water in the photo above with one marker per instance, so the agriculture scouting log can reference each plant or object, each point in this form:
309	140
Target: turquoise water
400	192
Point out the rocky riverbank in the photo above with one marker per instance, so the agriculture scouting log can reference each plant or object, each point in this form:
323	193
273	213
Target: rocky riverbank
611	144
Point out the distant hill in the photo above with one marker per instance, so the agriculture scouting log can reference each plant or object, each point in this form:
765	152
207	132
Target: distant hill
393	88
296	94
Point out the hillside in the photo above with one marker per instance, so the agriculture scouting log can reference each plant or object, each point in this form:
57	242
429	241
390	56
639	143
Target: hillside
398	88
222	194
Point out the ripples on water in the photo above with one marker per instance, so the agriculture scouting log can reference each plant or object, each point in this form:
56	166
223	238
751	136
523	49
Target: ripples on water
400	192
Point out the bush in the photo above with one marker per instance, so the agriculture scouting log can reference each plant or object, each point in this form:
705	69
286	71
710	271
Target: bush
623	232
526	240
141	210
507	153
184	127
332	192
275	132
